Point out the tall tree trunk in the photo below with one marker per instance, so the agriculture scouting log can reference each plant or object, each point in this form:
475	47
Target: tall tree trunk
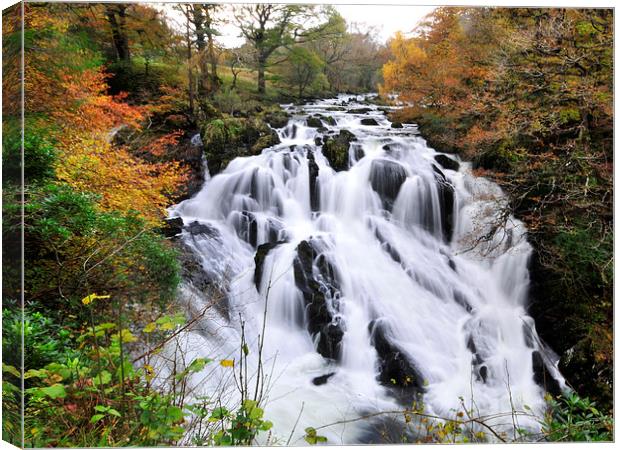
119	34
190	77
261	66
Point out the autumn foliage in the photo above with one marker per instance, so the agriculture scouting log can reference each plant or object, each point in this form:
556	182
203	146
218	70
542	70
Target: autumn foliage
526	94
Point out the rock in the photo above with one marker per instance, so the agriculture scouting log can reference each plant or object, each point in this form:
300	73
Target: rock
396	125
336	149
318	141
386	178
359	110
395	369
317	381
329	120
259	259
320	293
358	153
447	162
369	121
542	376
313	172
196	228
335	108
172	226
228	138
277	119
314	122
446	203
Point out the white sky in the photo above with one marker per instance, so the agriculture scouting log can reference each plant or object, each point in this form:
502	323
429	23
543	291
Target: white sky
386	19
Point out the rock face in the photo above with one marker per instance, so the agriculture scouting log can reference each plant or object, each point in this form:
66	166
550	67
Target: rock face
386	178
447	163
446	203
259	260
336	149
542	376
172	227
317	280
395	369
313	169
226	139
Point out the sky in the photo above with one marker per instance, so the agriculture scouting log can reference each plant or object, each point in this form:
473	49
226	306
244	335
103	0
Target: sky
386	19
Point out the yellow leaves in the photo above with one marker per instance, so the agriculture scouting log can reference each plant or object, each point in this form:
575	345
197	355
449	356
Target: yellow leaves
227	363
92	297
127	336
150	327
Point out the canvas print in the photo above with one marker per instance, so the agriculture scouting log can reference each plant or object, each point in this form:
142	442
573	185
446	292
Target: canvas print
275	224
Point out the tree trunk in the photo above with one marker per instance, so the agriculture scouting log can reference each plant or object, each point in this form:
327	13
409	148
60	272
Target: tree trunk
190	78
262	65
119	36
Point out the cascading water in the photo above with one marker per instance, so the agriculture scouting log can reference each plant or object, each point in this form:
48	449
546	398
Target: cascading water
374	281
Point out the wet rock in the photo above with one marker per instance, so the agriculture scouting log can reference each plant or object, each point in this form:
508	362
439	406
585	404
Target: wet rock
329	120
196	228
259	260
359	110
358	153
369	121
313	173
447	163
446	203
314	122
317	381
226	139
396	125
246	227
320	292
318	141
335	108
461	299
542	376
395	368
336	149
386	178
277	119
172	226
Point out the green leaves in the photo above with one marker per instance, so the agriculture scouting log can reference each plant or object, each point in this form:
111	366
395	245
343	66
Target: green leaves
312	438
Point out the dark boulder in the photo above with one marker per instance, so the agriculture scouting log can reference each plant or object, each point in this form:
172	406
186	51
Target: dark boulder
329	120
318	141
313	173
317	381
196	228
542	376
386	178
319	286
259	260
277	119
369	121
359	110
447	163
446	203
396	125
336	149
314	122
396	370
172	226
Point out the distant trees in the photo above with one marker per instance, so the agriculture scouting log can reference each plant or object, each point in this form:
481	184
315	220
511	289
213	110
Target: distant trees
303	69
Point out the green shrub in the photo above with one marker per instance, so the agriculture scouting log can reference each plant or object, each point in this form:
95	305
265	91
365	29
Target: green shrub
572	418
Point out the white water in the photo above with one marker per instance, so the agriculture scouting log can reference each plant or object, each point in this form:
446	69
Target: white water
433	299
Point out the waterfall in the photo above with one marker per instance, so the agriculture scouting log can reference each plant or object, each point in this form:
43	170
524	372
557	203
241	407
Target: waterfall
375	282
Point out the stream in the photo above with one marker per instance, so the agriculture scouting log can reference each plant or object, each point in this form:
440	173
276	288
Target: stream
379	285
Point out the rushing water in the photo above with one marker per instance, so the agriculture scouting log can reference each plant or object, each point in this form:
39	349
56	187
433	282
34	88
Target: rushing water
379	286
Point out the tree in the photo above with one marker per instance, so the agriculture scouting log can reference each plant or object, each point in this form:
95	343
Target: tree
302	69
116	14
268	27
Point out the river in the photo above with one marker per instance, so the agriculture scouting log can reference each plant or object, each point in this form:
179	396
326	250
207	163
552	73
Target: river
379	285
